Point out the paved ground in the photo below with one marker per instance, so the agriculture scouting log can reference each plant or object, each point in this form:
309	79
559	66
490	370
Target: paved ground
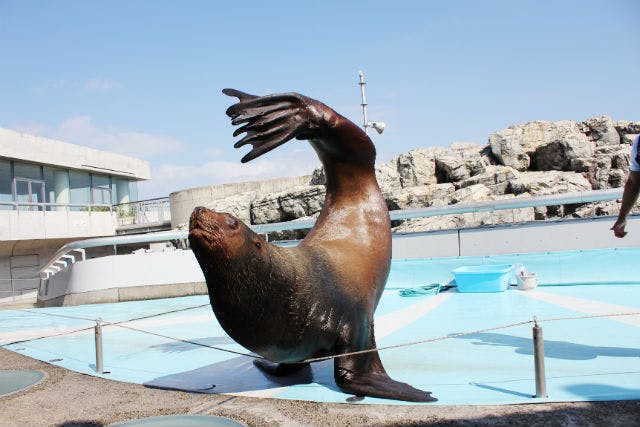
69	399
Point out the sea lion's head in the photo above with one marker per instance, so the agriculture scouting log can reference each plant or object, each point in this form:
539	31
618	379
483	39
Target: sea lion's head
217	236
230	255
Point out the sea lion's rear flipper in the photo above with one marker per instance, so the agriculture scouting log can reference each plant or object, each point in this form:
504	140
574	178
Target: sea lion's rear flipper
278	369
364	375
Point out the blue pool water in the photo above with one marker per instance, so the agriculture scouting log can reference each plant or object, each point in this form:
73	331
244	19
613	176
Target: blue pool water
594	358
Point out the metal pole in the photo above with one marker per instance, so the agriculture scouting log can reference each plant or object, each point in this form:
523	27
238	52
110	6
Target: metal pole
538	357
364	102
98	335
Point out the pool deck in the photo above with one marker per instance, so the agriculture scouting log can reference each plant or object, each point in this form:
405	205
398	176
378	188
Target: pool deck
70	399
484	378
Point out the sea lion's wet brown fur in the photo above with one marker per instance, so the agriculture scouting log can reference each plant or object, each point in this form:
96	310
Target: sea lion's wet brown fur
316	299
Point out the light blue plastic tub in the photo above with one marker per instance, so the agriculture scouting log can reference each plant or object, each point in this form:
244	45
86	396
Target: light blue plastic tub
483	278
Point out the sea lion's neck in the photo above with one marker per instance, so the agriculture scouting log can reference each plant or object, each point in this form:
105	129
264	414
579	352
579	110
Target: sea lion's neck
349	179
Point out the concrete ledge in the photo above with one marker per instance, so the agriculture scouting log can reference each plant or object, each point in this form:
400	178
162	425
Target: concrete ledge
138	293
135	293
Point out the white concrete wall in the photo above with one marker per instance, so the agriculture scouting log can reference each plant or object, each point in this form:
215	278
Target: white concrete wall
593	233
31	148
125	271
425	245
38	225
182	202
171	269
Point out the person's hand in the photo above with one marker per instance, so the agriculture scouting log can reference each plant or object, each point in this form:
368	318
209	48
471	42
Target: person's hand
618	228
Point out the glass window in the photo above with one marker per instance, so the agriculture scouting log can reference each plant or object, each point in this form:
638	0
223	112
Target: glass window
6	182
79	189
121	193
28	191
101	189
133	191
26	170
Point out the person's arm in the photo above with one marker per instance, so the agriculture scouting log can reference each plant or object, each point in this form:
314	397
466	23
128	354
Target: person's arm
629	197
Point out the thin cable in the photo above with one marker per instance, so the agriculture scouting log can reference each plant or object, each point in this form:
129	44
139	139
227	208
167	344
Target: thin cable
184	341
319	359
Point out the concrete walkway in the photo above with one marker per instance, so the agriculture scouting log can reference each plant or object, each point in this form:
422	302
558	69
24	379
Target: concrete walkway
70	399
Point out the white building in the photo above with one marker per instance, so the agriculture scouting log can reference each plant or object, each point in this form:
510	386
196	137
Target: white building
51	193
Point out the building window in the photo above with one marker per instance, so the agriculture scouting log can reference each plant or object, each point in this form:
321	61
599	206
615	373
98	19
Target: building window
6	180
28	191
79	190
27	171
133	191
28	185
100	189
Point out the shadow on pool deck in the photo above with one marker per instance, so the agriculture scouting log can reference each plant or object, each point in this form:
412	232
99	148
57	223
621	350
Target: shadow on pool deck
554	349
238	375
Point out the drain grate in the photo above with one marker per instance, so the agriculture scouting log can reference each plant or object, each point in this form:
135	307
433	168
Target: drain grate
13	381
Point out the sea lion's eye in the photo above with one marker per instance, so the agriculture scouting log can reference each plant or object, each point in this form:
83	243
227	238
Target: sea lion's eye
232	223
258	244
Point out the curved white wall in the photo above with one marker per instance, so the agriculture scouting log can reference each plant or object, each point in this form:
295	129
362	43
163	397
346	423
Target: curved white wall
125	271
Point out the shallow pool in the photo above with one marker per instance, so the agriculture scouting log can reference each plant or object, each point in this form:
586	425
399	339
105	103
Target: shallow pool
590	358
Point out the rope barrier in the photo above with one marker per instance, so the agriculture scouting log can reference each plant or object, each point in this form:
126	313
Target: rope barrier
185	341
316	359
93	321
122	321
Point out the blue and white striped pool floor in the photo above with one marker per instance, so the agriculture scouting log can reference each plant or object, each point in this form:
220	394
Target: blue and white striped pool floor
587	359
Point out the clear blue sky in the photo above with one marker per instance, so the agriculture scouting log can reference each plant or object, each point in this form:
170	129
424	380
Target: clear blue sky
143	78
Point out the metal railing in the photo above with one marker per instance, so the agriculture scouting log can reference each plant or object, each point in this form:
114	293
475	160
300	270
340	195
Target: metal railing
462	208
144	212
58	261
56	207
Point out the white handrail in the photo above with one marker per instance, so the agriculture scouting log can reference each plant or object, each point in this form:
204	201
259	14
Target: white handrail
90	207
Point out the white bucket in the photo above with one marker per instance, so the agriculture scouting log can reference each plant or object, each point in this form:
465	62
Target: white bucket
527	281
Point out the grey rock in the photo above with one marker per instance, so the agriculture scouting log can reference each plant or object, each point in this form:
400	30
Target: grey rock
460	161
286	206
601	130
541	145
617	178
466	220
548	182
472	193
266	209
496	178
318	177
388	177
421	196
627	130
416	167
238	205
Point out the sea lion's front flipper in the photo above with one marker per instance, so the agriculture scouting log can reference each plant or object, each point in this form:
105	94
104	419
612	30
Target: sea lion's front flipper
272	120
278	369
364	375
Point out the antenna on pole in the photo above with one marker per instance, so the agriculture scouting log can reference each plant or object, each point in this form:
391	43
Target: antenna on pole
378	126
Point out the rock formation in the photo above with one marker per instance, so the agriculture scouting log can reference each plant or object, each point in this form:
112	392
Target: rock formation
529	159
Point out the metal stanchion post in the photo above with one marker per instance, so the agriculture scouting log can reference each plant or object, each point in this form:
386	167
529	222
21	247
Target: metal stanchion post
538	357
98	336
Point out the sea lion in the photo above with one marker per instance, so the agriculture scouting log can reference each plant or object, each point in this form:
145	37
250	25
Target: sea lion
316	299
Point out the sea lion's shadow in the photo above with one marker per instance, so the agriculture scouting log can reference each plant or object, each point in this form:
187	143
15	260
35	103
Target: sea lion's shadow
238	374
